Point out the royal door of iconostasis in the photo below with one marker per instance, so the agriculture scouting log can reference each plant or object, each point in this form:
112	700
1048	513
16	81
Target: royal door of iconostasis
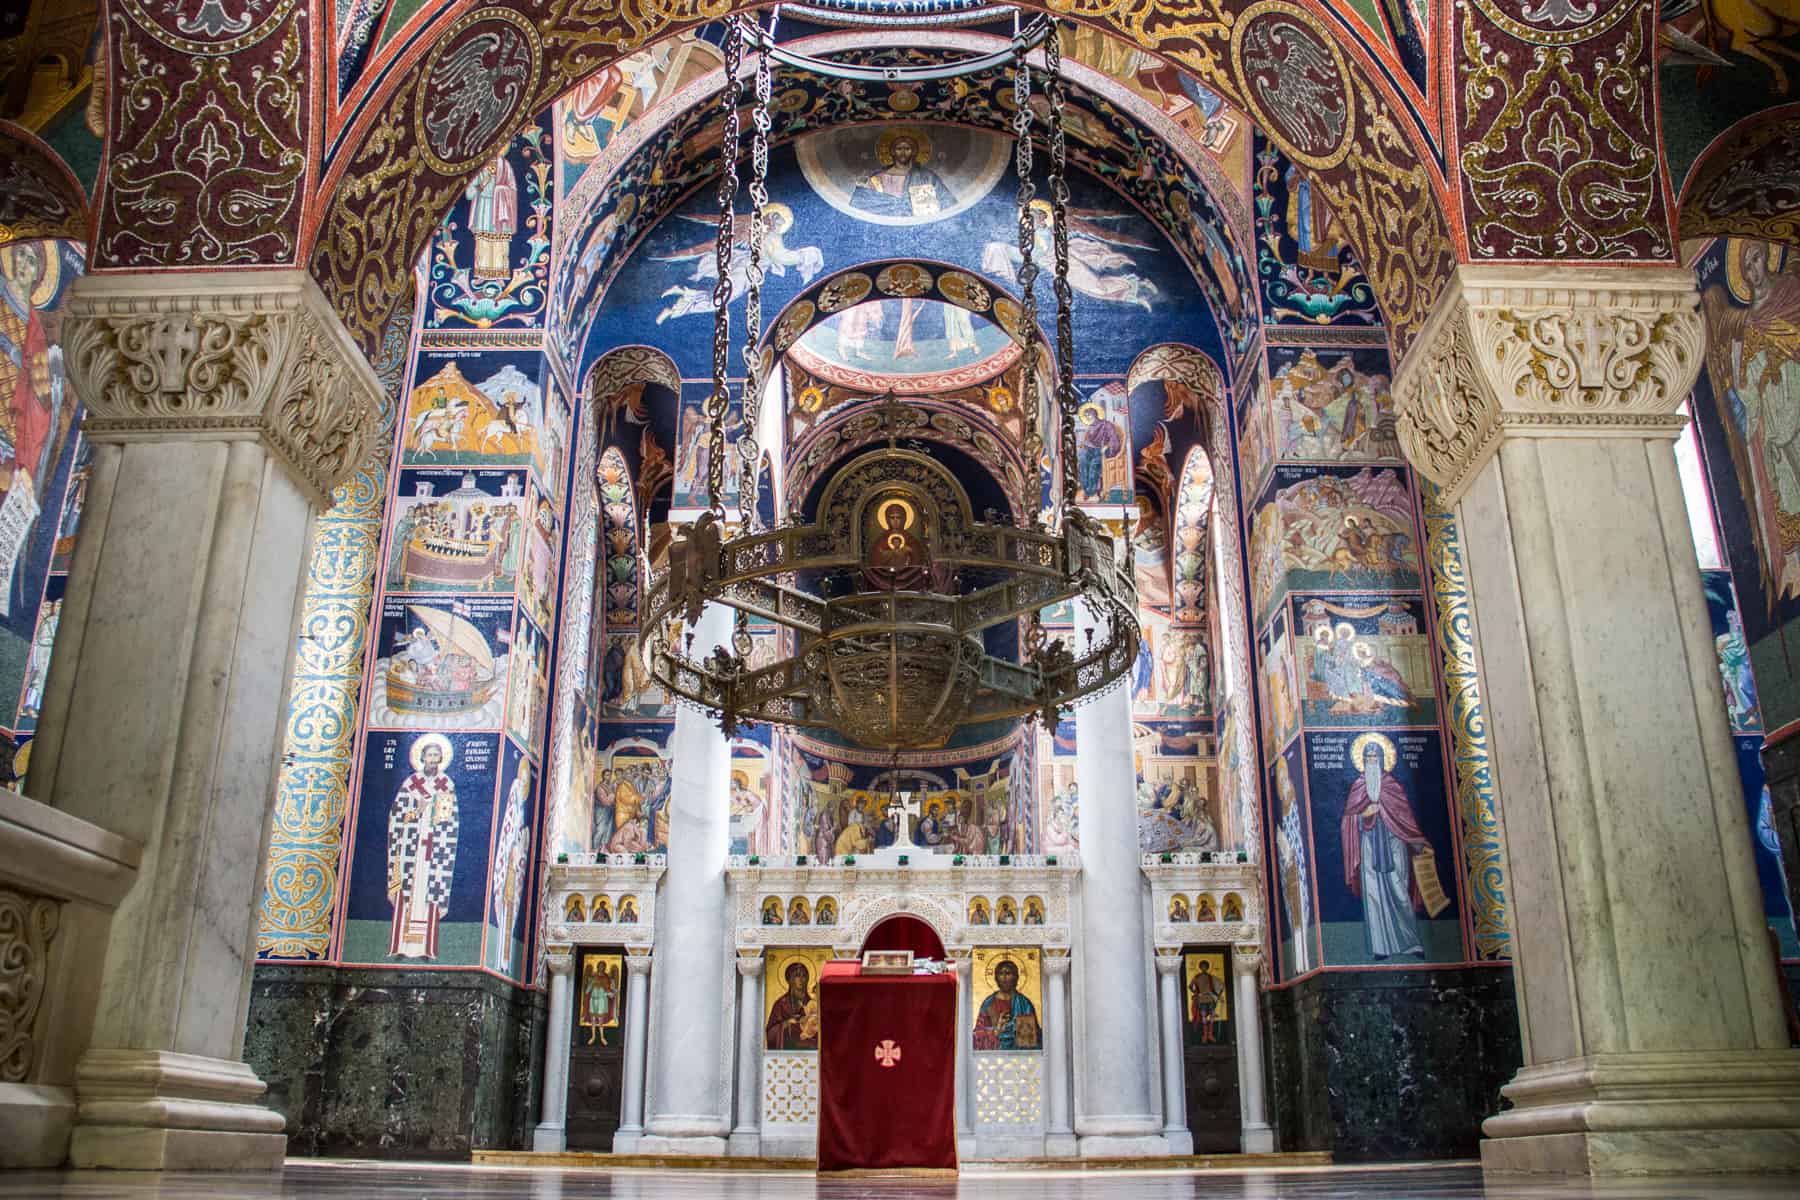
597	1049
1209	1049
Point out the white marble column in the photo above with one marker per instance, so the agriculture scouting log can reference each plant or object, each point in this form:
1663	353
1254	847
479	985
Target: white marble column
1174	1075
1542	400
746	1137
223	407
690	1071
1253	1103
965	1052
1115	1093
551	1132
1059	1134
637	1040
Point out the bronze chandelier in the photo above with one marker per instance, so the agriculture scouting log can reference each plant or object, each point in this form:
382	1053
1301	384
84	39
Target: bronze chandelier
893	602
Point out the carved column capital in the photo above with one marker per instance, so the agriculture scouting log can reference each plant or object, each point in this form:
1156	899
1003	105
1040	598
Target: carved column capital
637	962
227	355
559	960
1546	351
1246	959
1168	961
1056	962
750	966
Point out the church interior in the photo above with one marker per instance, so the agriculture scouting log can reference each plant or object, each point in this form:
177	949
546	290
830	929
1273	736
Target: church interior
646	599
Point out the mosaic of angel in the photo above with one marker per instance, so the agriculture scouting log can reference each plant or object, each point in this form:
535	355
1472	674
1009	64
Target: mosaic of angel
695	296
1098	256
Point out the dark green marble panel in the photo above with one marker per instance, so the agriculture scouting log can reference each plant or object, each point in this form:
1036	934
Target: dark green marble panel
396	1063
1388	1065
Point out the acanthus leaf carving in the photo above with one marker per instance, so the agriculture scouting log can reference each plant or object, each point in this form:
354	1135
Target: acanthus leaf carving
28	923
1587	351
226	357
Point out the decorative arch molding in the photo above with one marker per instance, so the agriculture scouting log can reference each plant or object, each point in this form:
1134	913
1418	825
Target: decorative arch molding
1172	362
897	279
630	189
916	279
1193	382
618	584
928	909
1746	183
1188	535
380	192
39	195
1209	197
614	383
858	426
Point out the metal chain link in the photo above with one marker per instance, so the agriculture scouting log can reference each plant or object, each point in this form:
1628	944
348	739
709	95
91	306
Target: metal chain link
1059	209
1028	270
718	404
749	456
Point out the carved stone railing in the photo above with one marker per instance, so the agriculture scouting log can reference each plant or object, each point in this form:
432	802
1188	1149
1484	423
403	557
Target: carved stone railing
60	879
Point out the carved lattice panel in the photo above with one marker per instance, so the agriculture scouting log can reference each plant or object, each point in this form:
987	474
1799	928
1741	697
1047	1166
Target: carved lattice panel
790	1089
1009	1090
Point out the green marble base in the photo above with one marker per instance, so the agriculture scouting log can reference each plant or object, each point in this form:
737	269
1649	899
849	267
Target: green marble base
396	1063
1380	1066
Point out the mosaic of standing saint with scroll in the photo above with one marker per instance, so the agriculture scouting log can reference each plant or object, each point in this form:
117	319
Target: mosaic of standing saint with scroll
1387	859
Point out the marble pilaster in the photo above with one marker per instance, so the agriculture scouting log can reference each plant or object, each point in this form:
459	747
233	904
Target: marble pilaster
690	1071
223	407
1115	1102
1543	401
746	1135
637	1041
550	1133
965	1050
1246	970
1168	991
1059	1134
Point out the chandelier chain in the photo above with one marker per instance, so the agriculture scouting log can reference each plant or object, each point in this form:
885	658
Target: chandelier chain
718	404
749	456
1059	210
899	667
1022	163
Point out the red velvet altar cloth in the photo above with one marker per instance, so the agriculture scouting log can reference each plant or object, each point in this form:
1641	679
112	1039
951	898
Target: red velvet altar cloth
902	932
887	1070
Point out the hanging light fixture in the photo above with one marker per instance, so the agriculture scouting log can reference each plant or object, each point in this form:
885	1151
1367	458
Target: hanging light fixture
892	602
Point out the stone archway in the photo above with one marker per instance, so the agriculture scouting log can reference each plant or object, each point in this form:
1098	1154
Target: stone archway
1745	183
910	279
399	160
1123	141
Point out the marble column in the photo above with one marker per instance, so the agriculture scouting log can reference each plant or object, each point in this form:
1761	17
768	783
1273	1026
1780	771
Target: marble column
1059	1134
1253	1103
1543	401
965	1052
222	407
1174	1076
551	1133
746	1137
637	1041
690	1072
1115	1097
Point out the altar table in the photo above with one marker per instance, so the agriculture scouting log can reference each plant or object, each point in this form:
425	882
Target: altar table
887	1070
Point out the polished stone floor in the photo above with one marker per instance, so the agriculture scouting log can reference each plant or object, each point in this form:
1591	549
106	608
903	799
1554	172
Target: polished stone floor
389	1181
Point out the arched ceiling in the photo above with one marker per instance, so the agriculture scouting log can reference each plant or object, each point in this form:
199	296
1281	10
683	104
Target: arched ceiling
403	142
664	155
39	197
